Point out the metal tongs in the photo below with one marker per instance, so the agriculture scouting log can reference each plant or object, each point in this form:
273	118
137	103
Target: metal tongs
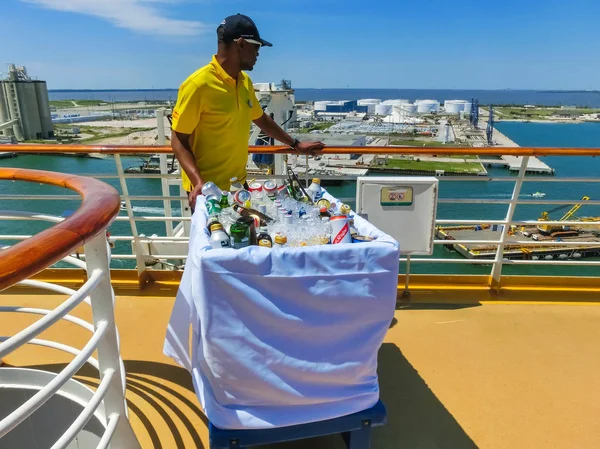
291	178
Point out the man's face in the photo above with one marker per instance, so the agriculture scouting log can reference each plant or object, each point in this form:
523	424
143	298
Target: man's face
248	54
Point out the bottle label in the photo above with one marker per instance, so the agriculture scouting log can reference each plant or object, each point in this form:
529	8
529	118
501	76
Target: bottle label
243	244
341	234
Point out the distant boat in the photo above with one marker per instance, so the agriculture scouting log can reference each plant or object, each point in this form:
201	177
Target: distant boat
538	195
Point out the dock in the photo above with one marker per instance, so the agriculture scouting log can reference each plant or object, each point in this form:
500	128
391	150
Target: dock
520	245
534	165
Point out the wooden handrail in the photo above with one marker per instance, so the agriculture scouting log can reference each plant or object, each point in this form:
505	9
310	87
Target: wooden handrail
440	151
99	207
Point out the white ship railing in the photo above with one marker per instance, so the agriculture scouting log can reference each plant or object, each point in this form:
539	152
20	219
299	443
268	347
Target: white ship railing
175	223
19	262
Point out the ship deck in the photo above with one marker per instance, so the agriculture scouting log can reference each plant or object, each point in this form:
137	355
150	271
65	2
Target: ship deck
464	374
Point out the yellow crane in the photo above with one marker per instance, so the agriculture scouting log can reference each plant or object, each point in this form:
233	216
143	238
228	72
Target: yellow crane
549	229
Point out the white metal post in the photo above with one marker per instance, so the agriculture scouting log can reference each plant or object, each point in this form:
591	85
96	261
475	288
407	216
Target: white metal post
406	291
101	298
139	253
498	261
160	118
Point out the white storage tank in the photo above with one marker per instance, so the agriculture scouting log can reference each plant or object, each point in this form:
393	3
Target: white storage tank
453	108
396	102
321	105
427	106
467	108
368	101
383	109
407	109
370	108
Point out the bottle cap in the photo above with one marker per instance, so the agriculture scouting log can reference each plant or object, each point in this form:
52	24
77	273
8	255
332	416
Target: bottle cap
316	180
280	239
216	227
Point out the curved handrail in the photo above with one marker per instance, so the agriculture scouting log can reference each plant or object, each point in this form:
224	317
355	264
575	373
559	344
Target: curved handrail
282	149
100	205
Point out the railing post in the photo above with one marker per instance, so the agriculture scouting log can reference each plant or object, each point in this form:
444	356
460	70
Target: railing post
406	292
102	300
164	169
498	261
139	253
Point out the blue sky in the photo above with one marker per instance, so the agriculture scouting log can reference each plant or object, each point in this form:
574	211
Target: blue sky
461	44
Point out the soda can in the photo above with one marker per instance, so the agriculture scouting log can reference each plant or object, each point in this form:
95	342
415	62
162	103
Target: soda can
361	239
341	229
241	196
324	202
213	206
282	191
235	185
255	186
210	188
270	187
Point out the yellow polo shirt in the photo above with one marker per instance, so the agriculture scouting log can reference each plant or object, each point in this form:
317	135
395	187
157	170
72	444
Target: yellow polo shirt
217	111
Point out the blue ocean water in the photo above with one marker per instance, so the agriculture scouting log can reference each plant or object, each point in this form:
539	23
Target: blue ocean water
584	99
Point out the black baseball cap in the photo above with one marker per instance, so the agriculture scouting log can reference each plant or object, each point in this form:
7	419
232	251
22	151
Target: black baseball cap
239	25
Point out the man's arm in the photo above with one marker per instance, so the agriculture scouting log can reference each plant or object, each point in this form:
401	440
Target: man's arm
272	129
180	144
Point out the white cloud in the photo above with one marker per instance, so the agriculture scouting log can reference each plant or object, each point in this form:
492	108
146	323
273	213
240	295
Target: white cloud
142	16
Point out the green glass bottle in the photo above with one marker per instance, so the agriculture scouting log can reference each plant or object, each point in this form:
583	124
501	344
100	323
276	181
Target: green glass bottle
240	235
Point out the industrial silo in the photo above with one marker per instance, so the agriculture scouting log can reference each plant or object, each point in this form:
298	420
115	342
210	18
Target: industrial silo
30	115
427	106
41	91
4	117
383	109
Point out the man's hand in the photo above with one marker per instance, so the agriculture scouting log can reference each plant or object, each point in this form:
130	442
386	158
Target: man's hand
309	147
197	190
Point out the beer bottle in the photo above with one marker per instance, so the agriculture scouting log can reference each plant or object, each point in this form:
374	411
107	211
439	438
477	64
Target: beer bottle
252	212
264	239
240	235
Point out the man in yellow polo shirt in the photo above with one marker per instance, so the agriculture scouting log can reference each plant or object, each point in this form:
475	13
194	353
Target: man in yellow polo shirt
214	110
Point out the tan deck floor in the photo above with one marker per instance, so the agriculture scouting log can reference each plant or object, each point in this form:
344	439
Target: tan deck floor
490	376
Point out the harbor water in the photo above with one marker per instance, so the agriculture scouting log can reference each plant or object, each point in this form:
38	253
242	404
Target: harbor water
525	134
497	97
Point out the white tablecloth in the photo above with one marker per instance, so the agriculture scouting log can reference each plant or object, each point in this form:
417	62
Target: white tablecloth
283	336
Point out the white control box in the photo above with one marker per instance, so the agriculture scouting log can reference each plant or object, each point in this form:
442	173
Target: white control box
403	207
